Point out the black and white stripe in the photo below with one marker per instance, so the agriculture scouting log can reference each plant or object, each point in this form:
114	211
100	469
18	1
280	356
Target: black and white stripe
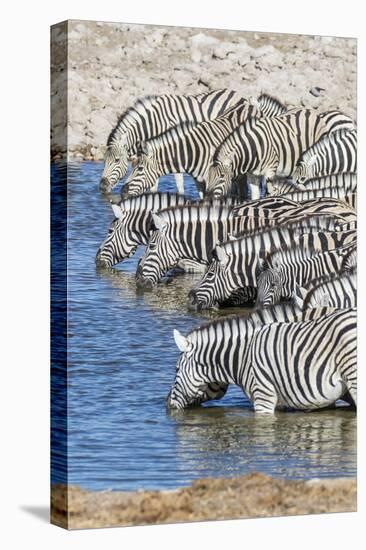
334	153
270	147
153	115
303	365
286	268
336	290
237	263
190	233
346	182
185	148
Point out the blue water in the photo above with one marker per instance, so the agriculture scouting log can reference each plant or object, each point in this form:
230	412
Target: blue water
121	363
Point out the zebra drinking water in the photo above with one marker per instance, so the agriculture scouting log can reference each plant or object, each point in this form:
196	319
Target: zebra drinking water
131	226
318	368
185	148
284	269
334	153
189	233
153	115
269	147
236	263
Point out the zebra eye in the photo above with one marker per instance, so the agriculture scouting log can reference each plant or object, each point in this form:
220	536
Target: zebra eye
152	246
117	160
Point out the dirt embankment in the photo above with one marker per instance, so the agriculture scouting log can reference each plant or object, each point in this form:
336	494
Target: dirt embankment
110	65
249	496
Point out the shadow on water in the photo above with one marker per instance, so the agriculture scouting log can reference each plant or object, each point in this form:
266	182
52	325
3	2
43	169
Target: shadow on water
121	364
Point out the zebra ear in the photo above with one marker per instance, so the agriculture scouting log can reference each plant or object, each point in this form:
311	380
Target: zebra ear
228	161
144	148
299	296
158	223
183	344
123	140
117	210
221	255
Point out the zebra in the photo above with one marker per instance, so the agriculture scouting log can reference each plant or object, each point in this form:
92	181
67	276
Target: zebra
268	147
334	153
185	148
350	260
283	269
269	105
236	263
327	192
321	241
303	365
323	205
346	182
153	115
132	223
336	290
189	233
131	226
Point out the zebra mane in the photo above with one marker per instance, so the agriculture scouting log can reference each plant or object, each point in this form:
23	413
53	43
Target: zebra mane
267	100
234	244
329	277
148	199
295	253
194	212
328	139
139	105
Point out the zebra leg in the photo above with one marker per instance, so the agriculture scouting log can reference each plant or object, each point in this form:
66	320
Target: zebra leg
253	183
265	399
179	181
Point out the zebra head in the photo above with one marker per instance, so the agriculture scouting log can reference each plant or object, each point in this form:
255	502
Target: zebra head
145	173
115	164
193	382
304	170
121	241
219	177
160	255
269	287
218	284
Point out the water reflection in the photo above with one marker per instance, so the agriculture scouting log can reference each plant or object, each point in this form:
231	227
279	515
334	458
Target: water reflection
288	444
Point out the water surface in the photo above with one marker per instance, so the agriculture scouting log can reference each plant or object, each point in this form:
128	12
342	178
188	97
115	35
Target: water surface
121	364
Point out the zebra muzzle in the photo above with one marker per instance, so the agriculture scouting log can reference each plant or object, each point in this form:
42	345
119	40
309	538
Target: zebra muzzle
193	302
104	185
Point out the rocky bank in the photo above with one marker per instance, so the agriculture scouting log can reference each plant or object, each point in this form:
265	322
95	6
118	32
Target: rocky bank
250	496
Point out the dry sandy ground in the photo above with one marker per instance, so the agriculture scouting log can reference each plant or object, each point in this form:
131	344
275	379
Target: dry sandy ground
253	495
107	66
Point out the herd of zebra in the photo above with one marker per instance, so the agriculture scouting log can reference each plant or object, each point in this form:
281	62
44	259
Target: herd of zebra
274	229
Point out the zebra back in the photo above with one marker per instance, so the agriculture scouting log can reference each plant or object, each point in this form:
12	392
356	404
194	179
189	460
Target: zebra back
334	153
345	181
332	290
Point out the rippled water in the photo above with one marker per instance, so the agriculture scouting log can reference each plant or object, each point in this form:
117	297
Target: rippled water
121	363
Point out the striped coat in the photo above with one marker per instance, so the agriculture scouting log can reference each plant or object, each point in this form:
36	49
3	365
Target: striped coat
153	115
318	367
270	147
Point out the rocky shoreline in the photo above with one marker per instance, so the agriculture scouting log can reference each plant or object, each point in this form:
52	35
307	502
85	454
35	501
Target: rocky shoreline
251	496
99	69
